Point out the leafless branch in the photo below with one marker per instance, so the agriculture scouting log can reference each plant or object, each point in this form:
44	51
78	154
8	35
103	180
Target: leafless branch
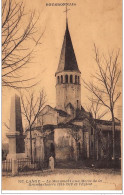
106	78
15	52
32	104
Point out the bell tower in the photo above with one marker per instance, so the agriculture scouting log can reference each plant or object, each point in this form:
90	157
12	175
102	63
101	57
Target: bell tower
68	87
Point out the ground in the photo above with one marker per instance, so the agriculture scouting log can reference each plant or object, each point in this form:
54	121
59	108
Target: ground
65	179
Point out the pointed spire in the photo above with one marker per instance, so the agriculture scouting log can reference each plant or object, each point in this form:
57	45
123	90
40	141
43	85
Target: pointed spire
67	58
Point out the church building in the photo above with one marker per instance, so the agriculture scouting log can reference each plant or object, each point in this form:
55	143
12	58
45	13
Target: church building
65	131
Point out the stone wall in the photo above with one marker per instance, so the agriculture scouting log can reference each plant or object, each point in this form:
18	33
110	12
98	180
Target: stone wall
47	116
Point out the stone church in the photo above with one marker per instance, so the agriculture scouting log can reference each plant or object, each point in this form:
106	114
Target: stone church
64	131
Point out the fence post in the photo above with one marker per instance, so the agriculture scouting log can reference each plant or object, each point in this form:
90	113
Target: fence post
14	167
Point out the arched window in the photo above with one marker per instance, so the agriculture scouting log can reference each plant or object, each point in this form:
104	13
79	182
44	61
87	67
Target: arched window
71	79
52	149
76	79
61	79
66	78
58	79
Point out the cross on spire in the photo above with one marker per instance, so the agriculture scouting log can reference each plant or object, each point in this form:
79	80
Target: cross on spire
66	12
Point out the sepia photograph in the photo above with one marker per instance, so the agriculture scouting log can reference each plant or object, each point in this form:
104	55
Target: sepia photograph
61	95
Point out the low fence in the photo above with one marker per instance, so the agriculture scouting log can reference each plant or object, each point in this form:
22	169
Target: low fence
6	167
23	165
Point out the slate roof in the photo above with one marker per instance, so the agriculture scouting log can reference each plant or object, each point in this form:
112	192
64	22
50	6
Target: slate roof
108	123
62	113
69	125
67	60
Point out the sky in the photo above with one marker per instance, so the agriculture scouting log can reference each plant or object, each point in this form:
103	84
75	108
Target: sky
90	21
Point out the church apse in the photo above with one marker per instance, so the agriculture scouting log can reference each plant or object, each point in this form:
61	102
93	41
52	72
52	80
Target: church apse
63	144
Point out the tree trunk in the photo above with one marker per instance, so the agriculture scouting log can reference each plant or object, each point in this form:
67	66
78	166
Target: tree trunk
113	135
76	152
31	146
94	143
97	148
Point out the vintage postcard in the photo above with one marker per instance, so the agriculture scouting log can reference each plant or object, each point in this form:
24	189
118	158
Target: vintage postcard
62	95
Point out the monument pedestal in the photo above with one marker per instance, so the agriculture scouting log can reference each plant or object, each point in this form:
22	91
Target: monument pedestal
13	138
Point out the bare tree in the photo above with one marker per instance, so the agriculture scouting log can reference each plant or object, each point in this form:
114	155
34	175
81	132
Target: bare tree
74	132
97	112
105	87
32	105
16	52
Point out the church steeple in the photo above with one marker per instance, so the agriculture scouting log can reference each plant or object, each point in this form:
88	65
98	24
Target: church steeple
68	88
67	60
